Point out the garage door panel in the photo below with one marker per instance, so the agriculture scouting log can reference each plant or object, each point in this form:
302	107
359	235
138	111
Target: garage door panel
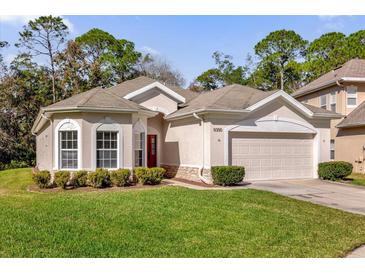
273	158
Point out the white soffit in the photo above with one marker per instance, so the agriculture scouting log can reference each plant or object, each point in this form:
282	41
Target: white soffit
170	92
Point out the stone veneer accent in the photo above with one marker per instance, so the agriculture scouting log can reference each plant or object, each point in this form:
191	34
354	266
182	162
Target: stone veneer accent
185	172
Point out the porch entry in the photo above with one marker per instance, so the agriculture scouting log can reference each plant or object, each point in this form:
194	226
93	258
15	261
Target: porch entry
151	150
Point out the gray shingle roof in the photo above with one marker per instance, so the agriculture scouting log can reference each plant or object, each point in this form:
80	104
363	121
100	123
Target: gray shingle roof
355	118
232	97
129	86
96	98
352	68
318	110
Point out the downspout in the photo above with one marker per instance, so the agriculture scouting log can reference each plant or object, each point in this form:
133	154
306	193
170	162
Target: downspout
338	84
201	169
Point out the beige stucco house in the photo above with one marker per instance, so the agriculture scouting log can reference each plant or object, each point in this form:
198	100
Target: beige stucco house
342	90
142	122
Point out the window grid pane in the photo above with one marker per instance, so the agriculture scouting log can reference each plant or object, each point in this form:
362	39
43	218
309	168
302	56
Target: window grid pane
107	149
332	149
352	96
68	149
139	149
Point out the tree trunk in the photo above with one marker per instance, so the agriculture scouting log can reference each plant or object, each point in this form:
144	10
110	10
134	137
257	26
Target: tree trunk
282	79
53	88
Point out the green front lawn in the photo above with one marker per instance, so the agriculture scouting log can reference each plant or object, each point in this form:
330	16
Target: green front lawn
168	222
356	179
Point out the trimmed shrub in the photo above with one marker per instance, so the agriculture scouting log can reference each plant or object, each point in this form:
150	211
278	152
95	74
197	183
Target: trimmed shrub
156	175
42	179
120	177
62	178
141	174
149	176
335	170
99	178
227	175
79	178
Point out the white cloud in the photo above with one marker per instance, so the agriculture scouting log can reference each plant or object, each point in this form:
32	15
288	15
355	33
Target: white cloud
20	20
150	50
16	20
332	22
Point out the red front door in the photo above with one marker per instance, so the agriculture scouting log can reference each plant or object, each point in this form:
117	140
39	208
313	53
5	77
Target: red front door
151	150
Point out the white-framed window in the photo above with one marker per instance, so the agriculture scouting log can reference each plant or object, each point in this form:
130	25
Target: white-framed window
323	101
332	149
333	101
351	96
139	149
68	145
106	149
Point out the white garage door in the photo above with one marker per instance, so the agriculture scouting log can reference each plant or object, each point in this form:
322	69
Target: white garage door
273	158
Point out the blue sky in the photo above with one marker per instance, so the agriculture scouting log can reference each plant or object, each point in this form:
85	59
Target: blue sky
188	42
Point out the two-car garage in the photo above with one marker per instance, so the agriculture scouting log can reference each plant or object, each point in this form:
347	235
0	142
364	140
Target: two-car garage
267	156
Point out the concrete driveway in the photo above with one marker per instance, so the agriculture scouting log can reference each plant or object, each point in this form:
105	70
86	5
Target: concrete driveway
345	197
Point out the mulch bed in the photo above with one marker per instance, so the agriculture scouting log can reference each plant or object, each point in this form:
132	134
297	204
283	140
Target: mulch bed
35	188
206	185
193	182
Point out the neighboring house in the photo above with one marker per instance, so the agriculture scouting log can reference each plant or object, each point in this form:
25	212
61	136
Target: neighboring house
142	122
342	90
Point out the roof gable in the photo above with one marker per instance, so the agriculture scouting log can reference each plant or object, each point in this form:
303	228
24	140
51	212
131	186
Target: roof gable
127	87
352	71
355	118
153	85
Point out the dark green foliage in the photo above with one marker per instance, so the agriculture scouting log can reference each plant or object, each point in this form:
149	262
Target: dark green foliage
334	171
42	179
99	178
225	73
79	178
14	164
120	177
109	60
62	178
325	53
149	176
227	175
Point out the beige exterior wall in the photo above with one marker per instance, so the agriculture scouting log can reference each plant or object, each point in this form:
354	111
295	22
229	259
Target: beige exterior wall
44	147
46	139
182	143
348	142
349	146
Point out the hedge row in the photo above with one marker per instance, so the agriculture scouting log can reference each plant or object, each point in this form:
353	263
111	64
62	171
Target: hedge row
99	178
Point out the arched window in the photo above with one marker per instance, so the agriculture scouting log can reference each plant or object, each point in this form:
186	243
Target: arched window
68	139
139	137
